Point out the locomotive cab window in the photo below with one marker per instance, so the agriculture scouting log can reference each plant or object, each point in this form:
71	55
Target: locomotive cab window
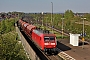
49	38
46	38
52	38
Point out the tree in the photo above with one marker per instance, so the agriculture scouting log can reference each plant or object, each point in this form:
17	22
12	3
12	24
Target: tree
87	15
3	26
69	14
3	15
10	49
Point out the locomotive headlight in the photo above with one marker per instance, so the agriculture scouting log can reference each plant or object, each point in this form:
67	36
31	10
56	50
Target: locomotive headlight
45	43
52	43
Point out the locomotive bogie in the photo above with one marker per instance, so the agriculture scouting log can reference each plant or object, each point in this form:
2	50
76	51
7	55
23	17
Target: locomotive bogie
51	51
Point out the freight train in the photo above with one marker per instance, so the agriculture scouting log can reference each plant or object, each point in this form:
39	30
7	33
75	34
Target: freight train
44	39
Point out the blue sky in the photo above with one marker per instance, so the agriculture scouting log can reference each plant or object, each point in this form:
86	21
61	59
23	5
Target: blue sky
44	5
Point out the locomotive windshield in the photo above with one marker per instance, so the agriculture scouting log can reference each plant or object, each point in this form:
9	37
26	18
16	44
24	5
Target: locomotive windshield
52	38
49	38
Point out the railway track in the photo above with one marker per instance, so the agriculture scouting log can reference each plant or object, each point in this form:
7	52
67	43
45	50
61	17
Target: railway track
67	34
54	57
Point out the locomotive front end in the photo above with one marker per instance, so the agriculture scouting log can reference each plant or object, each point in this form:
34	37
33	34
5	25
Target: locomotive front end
50	43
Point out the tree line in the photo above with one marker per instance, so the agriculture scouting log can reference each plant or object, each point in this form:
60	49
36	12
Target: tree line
70	22
10	48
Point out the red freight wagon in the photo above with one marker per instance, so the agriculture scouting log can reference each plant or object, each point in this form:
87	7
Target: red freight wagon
29	29
20	22
25	26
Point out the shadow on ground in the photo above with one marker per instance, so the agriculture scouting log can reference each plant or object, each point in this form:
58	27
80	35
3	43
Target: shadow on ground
62	46
83	43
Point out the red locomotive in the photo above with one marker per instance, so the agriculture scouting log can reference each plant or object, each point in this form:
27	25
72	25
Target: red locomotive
45	40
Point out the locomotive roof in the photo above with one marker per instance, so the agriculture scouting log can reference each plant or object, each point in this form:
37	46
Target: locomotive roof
39	32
